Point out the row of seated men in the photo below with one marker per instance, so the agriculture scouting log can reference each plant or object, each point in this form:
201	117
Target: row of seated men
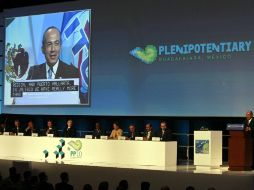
164	133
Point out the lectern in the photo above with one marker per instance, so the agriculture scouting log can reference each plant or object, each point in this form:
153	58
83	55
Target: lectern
240	151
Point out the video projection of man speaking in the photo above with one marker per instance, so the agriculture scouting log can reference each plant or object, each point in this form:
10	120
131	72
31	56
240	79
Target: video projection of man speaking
47	59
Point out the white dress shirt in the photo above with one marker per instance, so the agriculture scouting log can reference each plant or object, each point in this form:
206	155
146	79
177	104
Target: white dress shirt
54	70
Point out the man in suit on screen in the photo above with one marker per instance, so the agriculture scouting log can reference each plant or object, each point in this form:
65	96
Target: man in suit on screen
54	68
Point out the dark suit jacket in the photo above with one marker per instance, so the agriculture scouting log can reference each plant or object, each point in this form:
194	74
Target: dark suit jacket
2	130
251	125
29	132
63	71
151	135
132	136
97	134
15	131
167	136
52	131
69	132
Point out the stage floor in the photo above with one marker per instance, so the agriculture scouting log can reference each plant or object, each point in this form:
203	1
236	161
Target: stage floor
178	177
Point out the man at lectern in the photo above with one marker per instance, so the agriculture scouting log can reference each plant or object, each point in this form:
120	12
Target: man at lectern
54	68
249	122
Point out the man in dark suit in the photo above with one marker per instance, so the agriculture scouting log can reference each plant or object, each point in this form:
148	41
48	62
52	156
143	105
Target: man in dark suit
148	133
50	129
30	129
249	122
17	128
54	68
249	128
132	132
164	133
3	128
70	130
98	131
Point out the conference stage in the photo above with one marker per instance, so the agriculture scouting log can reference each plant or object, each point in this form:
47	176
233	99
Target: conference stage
95	160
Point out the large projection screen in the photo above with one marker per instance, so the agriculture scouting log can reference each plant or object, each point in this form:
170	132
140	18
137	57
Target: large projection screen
47	59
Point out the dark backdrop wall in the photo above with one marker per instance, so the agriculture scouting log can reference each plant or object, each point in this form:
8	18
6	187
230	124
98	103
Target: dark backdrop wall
211	82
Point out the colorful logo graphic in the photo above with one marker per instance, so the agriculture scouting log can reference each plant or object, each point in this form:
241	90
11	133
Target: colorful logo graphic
75	149
76	145
202	146
147	55
58	152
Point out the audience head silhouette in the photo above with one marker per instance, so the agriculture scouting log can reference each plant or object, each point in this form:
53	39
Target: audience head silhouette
87	187
103	185
145	185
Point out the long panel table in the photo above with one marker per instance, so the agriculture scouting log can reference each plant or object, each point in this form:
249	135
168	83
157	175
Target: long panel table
82	150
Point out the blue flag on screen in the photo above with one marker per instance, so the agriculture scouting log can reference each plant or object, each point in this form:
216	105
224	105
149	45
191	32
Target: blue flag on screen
75	33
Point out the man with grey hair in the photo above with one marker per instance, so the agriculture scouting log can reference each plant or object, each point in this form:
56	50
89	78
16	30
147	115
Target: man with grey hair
249	122
53	68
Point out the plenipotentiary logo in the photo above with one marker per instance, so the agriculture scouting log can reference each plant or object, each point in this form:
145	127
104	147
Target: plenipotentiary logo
147	55
192	52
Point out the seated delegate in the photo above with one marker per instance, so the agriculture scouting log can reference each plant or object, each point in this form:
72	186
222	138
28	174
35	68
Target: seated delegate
164	132
98	131
17	128
132	133
70	130
30	129
148	133
116	132
50	129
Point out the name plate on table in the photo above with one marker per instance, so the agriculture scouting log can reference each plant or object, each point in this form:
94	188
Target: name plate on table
156	139
6	133
50	135
34	134
104	137
138	138
20	134
89	136
122	138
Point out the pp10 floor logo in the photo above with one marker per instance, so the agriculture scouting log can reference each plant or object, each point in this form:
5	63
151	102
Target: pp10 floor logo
75	149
